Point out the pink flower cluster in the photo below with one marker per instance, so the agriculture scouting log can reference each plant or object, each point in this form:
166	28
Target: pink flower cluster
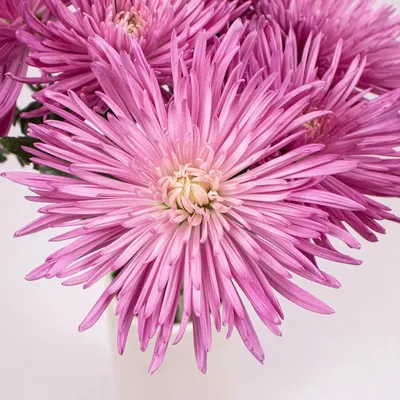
205	150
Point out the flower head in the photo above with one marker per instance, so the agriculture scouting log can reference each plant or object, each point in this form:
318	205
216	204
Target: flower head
60	46
366	30
165	194
12	58
360	129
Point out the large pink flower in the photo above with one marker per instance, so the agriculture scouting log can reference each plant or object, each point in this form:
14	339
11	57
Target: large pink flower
60	47
366	131
165	195
365	30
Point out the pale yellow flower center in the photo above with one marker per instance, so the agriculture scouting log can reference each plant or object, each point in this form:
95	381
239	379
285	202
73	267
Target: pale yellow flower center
130	21
314	129
191	193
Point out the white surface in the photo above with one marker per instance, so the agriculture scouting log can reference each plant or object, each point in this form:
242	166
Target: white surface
132	381
351	355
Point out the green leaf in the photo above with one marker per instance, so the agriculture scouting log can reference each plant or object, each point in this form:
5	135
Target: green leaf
35	88
13	145
49	171
16	116
3	156
24	122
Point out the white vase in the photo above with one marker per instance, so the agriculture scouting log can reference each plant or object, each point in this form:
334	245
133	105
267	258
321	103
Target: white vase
178	378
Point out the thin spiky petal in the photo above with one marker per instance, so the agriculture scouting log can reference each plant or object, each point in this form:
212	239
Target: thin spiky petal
12	58
366	131
365	29
60	46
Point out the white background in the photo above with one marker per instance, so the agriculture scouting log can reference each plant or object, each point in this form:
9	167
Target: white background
351	355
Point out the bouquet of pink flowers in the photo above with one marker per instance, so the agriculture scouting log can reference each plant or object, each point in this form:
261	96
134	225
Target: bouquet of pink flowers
202	151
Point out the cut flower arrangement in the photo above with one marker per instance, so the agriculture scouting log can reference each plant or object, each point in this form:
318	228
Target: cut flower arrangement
202	151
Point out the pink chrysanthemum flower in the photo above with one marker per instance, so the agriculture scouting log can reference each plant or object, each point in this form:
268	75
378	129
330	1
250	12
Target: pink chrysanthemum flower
364	29
12	58
164	195
366	131
60	48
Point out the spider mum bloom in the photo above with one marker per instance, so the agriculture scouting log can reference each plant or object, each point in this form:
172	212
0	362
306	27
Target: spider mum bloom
366	30
60	47
12	58
360	129
164	195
